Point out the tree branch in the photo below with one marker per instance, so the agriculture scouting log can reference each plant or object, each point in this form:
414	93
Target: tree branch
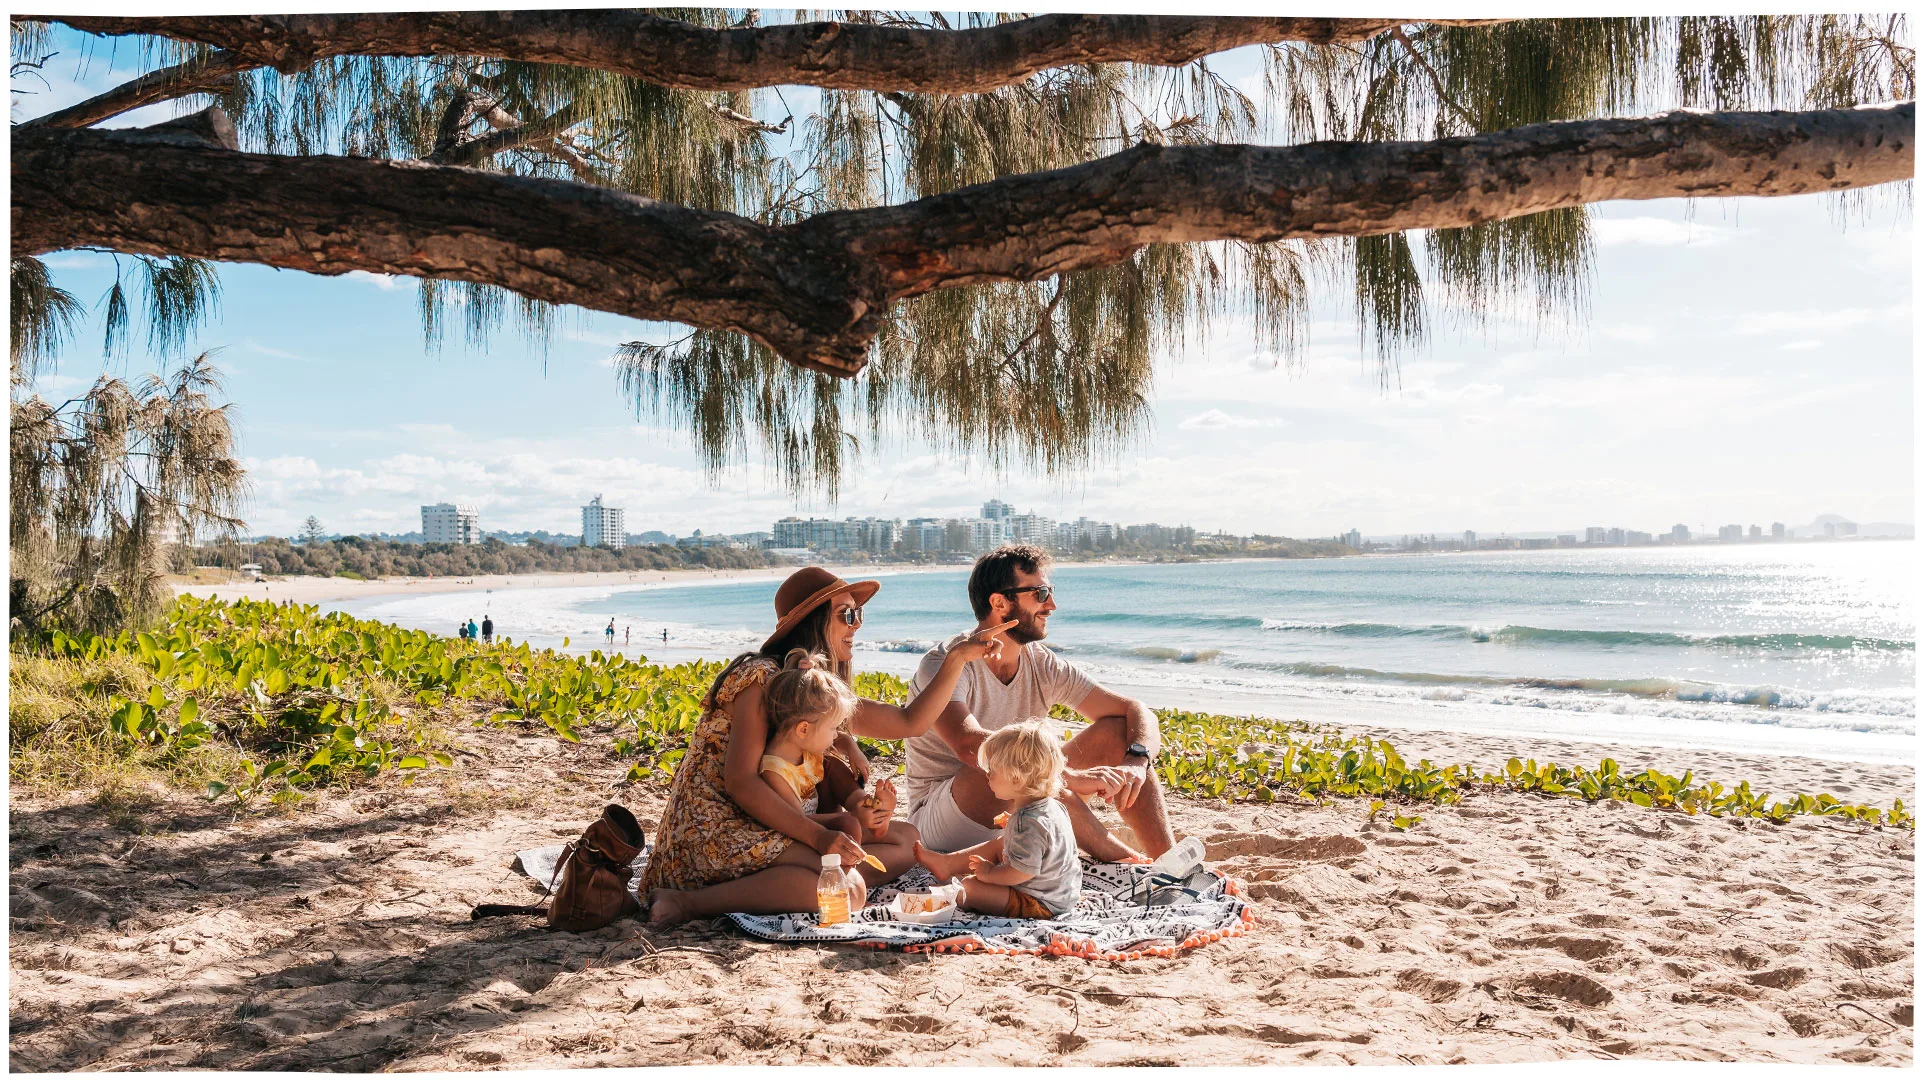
666	52
181	80
817	292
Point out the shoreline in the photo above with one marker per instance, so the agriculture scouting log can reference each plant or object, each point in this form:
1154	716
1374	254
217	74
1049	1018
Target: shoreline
1574	734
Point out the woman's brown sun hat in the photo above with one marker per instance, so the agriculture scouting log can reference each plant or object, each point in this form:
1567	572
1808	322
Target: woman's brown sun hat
807	588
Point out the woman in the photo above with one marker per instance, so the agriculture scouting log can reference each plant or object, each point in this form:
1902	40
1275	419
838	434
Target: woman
727	841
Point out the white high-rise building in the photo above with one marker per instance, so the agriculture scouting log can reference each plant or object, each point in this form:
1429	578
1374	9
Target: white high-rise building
445	523
602	526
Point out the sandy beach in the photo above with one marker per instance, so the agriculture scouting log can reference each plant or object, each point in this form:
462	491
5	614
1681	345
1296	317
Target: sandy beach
160	933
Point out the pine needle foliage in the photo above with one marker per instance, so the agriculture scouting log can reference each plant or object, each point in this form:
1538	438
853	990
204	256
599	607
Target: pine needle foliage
42	318
1053	375
101	485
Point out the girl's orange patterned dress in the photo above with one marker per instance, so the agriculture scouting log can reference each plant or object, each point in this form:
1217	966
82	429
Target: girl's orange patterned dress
704	837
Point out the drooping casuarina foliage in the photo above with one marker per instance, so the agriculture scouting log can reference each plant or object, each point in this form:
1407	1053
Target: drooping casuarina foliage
102	485
980	229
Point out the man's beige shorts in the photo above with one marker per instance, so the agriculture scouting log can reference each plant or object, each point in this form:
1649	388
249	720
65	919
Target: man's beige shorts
942	824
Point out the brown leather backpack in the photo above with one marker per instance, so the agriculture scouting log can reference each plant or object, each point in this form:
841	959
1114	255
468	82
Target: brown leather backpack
590	886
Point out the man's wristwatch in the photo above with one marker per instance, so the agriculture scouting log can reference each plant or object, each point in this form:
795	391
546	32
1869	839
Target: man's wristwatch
1140	751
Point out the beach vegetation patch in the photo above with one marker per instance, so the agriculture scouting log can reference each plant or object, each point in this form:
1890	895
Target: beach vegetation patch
256	700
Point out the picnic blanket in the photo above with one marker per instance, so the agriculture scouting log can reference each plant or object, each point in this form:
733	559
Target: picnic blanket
1124	913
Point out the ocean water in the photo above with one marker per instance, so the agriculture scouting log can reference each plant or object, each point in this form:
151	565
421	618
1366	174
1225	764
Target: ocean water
1725	641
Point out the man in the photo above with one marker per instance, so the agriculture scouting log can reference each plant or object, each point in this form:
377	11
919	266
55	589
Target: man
948	798
486	630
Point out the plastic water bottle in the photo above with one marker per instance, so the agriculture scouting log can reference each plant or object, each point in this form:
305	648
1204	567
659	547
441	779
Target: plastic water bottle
832	891
1181	859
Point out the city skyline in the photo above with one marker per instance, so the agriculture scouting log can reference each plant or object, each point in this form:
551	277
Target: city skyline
1005	523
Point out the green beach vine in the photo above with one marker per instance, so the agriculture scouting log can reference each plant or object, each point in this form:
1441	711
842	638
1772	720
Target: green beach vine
306	699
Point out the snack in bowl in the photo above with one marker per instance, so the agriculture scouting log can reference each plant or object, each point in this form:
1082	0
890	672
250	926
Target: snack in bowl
921	903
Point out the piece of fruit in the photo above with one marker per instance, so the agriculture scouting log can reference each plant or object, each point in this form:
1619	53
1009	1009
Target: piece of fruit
875	863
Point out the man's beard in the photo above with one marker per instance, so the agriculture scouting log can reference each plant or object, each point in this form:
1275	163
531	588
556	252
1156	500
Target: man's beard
1027	632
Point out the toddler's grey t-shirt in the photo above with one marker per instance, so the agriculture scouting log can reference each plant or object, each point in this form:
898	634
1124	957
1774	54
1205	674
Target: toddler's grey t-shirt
1040	842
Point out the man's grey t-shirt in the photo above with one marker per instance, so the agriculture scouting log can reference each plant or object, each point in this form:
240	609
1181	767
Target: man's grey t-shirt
1043	681
1040	842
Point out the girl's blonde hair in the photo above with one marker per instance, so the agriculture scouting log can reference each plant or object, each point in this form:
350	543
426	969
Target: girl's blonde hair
807	689
1028	755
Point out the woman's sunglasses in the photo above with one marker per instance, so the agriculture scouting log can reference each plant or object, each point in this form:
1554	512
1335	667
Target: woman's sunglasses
849	615
1042	593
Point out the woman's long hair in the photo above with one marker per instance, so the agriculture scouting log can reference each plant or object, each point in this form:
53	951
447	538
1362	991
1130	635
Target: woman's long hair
809	633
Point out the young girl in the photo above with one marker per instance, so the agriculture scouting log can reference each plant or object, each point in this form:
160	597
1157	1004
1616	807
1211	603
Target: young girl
806	707
1032	869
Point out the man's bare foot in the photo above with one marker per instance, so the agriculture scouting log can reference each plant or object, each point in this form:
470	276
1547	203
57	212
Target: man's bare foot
945	867
667	907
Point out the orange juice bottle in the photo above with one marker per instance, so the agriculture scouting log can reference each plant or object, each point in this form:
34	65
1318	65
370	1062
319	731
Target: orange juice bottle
832	891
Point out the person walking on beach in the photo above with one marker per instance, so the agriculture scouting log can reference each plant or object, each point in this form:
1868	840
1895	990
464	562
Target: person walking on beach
463	631
948	796
609	632
486	630
663	637
628	640
473	630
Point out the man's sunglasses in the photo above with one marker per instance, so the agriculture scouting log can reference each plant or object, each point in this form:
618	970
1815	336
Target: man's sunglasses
1042	593
850	615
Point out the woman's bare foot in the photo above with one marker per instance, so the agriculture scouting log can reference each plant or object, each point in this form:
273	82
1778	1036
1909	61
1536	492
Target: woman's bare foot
945	867
667	907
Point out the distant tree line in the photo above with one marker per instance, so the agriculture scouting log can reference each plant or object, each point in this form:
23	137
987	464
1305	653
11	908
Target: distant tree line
354	556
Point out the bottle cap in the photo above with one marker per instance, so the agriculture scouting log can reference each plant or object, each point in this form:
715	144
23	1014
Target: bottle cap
829	862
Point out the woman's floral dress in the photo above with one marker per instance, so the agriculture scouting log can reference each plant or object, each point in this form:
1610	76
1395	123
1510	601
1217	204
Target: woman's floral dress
704	837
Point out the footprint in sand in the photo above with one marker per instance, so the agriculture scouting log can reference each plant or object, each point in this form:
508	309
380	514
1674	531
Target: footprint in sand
1568	986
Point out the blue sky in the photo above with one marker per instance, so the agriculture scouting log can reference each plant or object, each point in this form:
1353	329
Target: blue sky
1744	360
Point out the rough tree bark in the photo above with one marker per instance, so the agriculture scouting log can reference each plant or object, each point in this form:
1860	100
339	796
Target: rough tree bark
817	292
667	52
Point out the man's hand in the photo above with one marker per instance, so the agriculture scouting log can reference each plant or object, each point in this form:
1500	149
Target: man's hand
1118	784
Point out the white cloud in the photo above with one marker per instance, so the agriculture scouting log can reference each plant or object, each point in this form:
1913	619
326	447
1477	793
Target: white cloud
383	282
268	350
1631	334
1655	232
1800	346
1220	420
1787	322
59	384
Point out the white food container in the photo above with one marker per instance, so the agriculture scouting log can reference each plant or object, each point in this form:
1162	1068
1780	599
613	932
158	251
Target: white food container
945	896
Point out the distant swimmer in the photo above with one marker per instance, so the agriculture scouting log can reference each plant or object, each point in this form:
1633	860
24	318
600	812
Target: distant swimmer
663	636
